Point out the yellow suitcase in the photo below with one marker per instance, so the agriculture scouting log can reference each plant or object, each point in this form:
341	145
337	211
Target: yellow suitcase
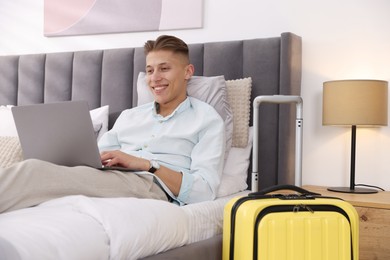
297	226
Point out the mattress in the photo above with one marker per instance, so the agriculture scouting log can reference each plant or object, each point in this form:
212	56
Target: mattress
79	227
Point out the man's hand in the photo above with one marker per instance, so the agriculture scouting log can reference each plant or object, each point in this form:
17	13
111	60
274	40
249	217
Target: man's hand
118	158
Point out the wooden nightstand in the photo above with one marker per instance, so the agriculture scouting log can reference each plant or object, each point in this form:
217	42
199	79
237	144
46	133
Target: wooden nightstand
374	214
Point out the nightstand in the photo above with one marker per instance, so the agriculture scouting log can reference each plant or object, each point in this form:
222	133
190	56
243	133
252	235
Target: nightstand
374	214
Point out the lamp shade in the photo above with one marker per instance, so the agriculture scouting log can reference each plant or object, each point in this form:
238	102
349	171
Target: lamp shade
355	102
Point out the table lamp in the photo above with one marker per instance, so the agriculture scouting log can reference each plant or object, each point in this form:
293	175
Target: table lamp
356	103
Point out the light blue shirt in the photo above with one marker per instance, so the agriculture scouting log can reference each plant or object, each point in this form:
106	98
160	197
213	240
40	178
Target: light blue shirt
191	140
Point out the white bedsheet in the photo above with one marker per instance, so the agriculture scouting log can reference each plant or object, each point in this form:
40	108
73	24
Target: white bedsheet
78	227
205	219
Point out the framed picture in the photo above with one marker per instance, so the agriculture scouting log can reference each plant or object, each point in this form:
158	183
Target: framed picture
81	17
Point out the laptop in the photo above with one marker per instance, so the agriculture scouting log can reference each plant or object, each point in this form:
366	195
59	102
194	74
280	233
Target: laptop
60	133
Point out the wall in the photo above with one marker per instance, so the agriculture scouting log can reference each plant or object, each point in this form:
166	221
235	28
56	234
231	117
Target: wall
341	40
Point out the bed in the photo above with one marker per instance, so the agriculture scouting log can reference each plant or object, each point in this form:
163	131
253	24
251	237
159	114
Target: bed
79	227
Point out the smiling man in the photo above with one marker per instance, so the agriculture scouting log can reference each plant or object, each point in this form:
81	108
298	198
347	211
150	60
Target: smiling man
178	138
174	147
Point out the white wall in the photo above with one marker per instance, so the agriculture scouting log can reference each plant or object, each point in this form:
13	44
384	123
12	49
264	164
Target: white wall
341	40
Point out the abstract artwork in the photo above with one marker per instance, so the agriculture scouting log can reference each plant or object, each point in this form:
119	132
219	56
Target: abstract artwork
80	17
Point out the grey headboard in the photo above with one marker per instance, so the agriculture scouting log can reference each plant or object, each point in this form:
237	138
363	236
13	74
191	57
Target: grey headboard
109	77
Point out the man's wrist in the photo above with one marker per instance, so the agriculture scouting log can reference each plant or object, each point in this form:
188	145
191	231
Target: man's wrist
153	166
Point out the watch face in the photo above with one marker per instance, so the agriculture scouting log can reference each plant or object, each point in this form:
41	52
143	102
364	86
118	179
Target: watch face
154	166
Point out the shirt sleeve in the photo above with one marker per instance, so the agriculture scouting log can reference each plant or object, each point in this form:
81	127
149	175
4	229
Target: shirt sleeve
201	182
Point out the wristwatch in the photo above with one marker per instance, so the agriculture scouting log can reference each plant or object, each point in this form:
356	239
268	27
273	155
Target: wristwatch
154	166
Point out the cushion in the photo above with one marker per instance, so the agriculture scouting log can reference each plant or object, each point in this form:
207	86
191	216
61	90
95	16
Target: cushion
10	151
211	90
235	171
99	118
7	126
239	97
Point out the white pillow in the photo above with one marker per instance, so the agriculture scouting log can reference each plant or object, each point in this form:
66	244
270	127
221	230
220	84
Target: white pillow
99	118
211	90
7	126
235	171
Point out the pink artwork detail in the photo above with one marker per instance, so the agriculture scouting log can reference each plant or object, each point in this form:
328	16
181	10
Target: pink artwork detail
60	15
80	17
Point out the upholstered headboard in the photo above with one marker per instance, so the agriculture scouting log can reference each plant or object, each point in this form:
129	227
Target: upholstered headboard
108	77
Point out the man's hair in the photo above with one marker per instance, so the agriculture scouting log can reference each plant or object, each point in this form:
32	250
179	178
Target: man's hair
167	42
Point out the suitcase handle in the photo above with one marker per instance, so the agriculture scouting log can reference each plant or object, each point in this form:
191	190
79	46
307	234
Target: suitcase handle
283	187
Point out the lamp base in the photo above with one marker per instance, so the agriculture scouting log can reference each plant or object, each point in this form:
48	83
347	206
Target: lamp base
355	190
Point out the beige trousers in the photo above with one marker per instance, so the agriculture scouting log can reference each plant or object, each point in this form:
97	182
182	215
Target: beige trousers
32	182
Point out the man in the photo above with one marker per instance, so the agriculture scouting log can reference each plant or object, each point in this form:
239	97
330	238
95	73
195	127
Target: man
175	146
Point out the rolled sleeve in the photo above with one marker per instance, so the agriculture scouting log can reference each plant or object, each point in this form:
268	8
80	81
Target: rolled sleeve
186	184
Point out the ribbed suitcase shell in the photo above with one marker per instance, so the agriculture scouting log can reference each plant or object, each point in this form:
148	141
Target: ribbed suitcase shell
293	229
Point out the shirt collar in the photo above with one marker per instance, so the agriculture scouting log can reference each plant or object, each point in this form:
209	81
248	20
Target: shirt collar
182	107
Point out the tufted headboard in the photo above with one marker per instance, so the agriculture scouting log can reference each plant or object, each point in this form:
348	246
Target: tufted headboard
108	77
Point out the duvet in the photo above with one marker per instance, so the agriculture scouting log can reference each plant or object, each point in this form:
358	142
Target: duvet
78	227
82	228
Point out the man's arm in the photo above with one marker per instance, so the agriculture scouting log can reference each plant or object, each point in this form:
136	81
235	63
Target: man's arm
172	179
202	180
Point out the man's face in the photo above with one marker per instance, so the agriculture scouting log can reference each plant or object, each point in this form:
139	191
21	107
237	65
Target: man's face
167	75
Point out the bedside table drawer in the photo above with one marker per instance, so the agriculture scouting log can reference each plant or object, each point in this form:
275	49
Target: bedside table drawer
374	228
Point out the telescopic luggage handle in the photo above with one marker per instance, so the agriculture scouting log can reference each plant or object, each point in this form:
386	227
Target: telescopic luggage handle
278	99
283	187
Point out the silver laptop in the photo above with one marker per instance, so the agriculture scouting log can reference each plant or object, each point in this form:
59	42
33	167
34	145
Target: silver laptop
61	133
